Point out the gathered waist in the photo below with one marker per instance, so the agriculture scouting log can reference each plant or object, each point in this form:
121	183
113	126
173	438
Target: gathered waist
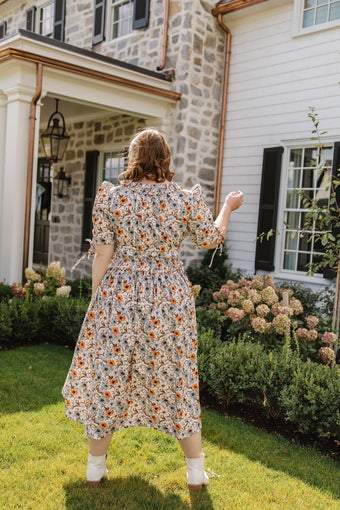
148	253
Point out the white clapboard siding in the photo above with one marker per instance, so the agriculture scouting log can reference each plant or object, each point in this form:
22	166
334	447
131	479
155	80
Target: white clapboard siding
274	78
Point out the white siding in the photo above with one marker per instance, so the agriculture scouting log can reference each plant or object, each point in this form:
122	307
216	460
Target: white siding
274	78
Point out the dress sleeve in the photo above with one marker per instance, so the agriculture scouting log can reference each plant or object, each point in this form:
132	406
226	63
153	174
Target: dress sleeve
102	219
202	228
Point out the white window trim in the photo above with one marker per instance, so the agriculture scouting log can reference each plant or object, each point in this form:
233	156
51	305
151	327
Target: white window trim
297	28
112	147
279	245
109	27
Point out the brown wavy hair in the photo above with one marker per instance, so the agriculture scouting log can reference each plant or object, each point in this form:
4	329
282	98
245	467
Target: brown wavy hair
149	157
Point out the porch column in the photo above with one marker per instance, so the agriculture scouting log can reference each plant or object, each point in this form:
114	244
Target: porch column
3	105
14	183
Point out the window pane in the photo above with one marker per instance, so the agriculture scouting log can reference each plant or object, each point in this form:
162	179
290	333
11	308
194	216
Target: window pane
309	3
305	241
289	261
308	18
334	11
291	240
321	15
311	155
322	2
292	199
303	260
326	155
292	220
293	178
296	157
307	178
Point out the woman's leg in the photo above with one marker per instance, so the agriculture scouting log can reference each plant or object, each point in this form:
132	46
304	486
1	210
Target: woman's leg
192	446
99	446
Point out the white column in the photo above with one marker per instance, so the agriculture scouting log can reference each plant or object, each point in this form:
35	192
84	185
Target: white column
3	109
14	183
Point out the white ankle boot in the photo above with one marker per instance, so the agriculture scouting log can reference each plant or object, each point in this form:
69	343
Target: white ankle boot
96	468
196	476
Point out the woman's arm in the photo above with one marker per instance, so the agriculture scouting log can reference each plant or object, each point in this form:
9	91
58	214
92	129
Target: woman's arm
233	201
100	264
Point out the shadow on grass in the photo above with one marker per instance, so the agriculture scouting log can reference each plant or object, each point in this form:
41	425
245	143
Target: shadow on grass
130	493
273	451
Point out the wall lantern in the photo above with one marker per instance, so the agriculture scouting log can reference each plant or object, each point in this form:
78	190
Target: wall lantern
61	184
55	139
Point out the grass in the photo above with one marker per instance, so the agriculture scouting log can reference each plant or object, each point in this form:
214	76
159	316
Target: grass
43	455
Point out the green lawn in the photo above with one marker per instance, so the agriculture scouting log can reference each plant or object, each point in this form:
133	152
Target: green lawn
43	455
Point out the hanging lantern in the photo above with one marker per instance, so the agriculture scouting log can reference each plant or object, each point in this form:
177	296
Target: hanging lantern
61	184
55	139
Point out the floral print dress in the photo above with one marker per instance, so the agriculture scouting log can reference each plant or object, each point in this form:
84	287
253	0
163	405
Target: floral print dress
135	360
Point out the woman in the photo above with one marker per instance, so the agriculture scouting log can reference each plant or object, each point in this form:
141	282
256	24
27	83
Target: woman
135	361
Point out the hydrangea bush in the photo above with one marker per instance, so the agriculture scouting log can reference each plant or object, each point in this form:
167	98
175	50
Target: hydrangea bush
271	314
37	285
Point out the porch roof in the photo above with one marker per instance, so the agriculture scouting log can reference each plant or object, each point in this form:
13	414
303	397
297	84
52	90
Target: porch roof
28	46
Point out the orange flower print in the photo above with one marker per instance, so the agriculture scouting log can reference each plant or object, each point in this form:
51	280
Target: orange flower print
179	395
73	391
111	362
155	322
104	425
178	426
123	200
162	205
120	317
119	297
116	349
152	335
153	418
115	330
155	381
91	314
108	413
173	301
126	285
89	334
104	293
194	386
117	213
162	248
119	231
112	381
107	394
177	333
193	356
81	344
179	319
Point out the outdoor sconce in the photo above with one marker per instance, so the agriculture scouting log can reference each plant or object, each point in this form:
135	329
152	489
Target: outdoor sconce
61	184
55	139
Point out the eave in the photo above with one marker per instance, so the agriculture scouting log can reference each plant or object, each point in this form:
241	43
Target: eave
233	5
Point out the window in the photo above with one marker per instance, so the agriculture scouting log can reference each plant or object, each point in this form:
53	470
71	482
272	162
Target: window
304	174
46	19
121	18
3	29
316	12
113	163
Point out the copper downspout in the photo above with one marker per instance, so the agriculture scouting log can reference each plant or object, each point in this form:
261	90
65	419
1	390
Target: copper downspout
165	34
225	87
30	162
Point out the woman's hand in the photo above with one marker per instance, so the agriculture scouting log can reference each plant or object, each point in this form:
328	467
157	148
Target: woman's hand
234	200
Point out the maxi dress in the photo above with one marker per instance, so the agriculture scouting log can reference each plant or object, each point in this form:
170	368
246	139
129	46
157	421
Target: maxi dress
135	360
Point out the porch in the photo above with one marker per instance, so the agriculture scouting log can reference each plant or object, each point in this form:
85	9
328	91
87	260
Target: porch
104	102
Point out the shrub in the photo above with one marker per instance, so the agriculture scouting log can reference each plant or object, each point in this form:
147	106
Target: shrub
55	320
207	345
312	399
237	373
208	319
81	288
5	292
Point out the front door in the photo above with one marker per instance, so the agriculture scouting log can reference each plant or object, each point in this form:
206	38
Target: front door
42	212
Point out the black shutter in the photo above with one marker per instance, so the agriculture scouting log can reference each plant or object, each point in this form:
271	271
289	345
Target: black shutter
91	165
99	21
30	19
328	272
141	13
59	20
3	29
269	197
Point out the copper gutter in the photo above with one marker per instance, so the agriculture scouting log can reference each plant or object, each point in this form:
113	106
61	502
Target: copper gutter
225	87
165	34
234	5
30	162
9	53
